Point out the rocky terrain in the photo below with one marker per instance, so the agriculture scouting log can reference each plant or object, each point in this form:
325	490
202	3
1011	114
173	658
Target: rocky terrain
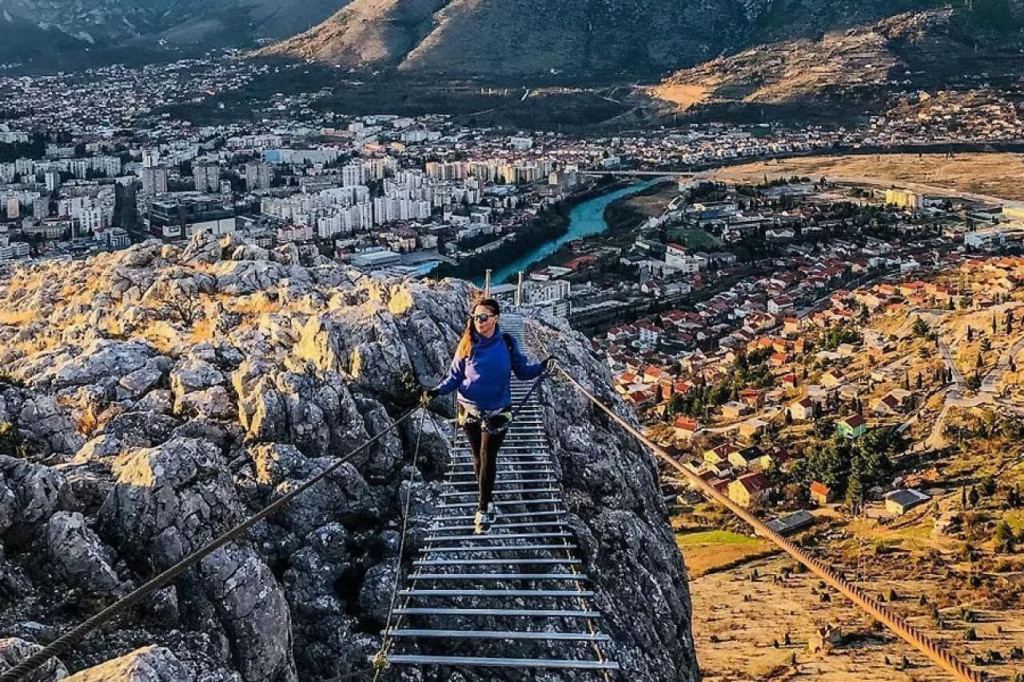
921	49
540	38
153	397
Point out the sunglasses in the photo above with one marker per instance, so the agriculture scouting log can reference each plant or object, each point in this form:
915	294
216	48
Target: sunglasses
482	317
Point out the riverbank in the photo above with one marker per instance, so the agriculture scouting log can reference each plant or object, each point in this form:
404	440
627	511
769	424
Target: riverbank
628	213
589	221
547	227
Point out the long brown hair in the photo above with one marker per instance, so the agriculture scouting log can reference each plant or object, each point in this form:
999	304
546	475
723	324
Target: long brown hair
465	346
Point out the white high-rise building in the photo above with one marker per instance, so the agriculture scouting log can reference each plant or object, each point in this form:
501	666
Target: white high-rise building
52	181
150	158
257	176
207	178
154	181
13	208
353	174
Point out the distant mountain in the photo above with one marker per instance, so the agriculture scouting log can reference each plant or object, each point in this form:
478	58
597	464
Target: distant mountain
923	49
520	37
61	31
606	38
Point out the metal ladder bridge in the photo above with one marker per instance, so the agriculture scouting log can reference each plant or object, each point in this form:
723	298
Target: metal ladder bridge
471	599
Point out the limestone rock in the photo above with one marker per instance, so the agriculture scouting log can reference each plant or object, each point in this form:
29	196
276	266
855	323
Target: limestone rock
194	375
42	420
149	664
253	611
213	403
38	491
273	463
168	500
168	454
78	556
13	651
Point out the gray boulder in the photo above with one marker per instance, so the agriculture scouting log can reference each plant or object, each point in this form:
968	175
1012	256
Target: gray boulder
344	496
253	611
313	570
45	423
38	491
193	375
167	501
273	463
78	557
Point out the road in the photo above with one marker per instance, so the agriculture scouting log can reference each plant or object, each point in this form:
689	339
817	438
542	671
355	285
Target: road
947	358
988	384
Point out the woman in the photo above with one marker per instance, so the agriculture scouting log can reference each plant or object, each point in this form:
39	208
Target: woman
482	371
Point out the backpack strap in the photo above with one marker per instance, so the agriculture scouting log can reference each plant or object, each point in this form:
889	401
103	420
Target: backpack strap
509	341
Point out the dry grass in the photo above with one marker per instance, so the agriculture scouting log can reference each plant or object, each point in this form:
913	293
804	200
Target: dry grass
17	317
202	332
709	551
996	175
683	96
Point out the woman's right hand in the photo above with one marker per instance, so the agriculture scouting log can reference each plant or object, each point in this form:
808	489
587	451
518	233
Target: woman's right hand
429	394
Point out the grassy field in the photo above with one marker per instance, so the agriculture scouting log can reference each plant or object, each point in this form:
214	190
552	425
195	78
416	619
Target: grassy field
996	175
692	239
655	200
706	551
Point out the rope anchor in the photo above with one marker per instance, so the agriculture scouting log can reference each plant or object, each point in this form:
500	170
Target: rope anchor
380	661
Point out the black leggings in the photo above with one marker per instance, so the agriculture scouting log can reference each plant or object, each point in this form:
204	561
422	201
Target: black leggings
485	445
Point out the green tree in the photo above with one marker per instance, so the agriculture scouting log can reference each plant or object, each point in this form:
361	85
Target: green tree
920	328
1003	537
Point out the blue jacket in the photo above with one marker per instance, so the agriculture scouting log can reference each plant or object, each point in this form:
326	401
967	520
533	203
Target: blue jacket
483	378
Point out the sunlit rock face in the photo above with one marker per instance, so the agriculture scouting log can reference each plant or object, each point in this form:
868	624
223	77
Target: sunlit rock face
153	398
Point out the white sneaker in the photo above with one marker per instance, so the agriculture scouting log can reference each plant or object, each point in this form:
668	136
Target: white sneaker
492	513
480	524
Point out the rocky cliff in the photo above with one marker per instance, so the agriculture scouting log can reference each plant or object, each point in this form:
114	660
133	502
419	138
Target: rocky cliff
151	398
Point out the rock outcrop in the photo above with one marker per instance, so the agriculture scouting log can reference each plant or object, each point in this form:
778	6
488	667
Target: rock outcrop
163	394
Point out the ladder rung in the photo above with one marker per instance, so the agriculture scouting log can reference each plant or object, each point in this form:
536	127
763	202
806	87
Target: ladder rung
517	472
514	613
539	457
546	524
509	459
500	484
514	515
562	664
504	634
510	503
495	562
511	448
581	577
496	548
495	593
523	491
503	536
